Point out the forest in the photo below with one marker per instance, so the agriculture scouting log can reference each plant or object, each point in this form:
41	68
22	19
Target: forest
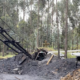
36	22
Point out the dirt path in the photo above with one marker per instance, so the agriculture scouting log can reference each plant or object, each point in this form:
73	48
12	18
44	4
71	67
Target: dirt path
61	51
19	77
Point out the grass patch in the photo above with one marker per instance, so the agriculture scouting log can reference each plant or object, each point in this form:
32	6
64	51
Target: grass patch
70	56
51	49
56	53
7	56
47	48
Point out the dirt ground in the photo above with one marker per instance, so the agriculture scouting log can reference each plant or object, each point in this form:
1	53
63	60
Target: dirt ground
19	77
37	70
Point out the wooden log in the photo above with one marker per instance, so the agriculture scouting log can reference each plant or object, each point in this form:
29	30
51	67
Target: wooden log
37	56
17	78
50	59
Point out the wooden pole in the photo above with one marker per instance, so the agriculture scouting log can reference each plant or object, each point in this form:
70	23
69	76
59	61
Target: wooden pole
50	59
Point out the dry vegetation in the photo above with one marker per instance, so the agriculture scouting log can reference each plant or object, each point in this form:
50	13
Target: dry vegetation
75	75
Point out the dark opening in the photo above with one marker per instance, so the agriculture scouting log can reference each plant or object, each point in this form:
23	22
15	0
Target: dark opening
78	58
41	56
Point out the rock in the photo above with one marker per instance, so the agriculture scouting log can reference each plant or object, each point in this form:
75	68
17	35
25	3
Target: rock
15	71
54	72
20	72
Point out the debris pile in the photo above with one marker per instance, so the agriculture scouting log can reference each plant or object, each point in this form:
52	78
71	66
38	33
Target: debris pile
39	54
53	71
75	75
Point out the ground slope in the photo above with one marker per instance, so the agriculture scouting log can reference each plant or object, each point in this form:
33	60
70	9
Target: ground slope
54	71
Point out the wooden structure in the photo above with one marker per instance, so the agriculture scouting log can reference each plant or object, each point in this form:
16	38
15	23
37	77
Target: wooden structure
45	44
50	59
40	54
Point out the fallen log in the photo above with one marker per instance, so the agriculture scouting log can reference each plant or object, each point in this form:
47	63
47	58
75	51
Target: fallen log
17	78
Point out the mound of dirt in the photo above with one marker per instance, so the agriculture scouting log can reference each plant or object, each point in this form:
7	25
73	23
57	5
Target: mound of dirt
75	75
53	71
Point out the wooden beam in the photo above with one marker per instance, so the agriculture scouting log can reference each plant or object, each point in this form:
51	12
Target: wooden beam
49	59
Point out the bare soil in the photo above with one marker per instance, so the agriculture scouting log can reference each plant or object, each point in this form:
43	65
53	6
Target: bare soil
37	70
19	77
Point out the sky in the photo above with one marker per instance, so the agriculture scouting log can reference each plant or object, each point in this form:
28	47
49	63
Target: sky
21	12
55	1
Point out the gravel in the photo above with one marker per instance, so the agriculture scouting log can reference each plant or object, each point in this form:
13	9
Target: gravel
56	69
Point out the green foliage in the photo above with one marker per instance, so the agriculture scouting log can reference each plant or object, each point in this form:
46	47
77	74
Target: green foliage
47	48
22	4
22	24
32	21
7	56
78	30
42	4
70	56
75	47
40	23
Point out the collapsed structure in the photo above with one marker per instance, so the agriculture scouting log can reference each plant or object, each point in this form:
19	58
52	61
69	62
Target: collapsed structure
15	46
40	54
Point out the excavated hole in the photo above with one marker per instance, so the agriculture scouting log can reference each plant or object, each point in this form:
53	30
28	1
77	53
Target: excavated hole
41	57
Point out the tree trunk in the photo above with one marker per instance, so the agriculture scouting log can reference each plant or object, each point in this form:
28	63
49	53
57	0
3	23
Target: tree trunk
41	28
77	42
0	47
17	12
72	43
47	32
52	21
37	39
24	12
66	29
58	40
23	27
38	27
3	50
52	11
31	23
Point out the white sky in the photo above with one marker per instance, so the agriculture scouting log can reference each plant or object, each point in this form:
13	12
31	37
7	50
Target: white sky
21	12
55	1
